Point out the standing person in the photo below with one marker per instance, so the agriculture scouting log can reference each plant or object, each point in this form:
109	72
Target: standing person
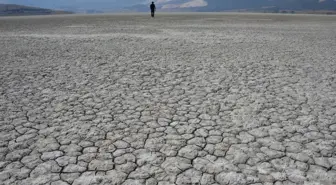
153	9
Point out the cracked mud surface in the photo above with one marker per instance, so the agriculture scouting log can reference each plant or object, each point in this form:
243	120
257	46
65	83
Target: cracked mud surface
183	99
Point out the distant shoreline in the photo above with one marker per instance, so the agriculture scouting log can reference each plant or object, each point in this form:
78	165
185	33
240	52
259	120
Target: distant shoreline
19	10
60	13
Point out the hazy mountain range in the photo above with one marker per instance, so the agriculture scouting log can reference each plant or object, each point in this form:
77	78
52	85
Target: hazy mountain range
176	5
13	9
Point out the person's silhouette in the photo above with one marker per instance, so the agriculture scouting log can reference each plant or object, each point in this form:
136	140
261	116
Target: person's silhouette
153	9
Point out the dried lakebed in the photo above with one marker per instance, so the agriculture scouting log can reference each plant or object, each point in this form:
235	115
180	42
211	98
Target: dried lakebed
207	99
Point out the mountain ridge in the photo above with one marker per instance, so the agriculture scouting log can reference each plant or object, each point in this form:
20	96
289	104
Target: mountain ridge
176	5
247	5
14	9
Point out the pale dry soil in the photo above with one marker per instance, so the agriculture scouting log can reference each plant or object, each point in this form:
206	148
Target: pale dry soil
206	99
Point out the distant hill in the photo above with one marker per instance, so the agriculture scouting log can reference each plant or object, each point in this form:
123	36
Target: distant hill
15	10
220	5
81	6
273	6
99	6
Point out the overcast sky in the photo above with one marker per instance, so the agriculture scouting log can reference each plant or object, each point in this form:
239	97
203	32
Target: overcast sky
106	3
73	2
117	4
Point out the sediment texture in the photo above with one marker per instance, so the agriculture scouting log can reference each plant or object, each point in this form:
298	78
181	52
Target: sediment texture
201	99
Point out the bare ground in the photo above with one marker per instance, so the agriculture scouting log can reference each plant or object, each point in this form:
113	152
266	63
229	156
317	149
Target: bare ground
180	99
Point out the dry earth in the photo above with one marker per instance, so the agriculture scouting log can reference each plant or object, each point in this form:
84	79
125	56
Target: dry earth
180	99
